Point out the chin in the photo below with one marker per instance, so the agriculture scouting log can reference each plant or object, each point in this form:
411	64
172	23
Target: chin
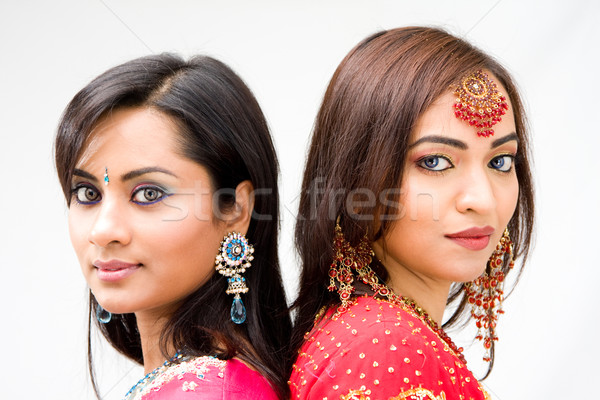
470	274
118	310
111	303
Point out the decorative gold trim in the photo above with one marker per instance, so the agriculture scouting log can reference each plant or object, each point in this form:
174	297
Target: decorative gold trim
354	395
419	394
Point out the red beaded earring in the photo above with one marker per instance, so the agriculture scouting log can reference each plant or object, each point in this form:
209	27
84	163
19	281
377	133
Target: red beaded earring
347	258
485	294
479	103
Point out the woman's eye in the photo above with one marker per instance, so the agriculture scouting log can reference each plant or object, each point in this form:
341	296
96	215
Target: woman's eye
502	163
85	194
148	195
435	163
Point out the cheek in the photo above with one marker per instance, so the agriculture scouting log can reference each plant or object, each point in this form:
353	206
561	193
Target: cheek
421	202
419	214
190	243
509	197
77	231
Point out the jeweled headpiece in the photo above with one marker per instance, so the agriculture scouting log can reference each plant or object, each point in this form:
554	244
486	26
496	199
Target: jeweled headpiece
479	103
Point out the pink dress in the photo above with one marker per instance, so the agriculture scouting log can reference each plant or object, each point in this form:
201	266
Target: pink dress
206	378
378	350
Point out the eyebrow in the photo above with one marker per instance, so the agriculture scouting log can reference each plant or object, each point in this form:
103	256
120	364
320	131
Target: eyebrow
83	174
505	139
441	140
460	144
128	176
143	171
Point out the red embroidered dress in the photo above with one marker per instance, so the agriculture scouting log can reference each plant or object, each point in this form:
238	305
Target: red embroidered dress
379	350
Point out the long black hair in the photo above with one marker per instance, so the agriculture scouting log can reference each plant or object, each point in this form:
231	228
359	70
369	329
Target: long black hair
222	128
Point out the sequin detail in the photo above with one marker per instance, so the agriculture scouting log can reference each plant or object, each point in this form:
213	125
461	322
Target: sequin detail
354	395
199	366
347	355
189	386
419	394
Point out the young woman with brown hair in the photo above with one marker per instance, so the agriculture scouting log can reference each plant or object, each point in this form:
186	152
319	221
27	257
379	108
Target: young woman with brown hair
417	193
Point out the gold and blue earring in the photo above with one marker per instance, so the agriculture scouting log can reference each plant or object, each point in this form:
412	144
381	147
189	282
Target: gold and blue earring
233	259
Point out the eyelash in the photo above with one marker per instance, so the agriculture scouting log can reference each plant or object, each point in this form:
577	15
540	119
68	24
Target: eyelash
421	160
511	166
420	163
75	192
163	194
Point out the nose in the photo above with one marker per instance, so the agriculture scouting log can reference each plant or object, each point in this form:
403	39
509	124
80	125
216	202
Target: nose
110	225
476	193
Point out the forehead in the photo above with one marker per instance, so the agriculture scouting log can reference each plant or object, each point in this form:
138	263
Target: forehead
134	133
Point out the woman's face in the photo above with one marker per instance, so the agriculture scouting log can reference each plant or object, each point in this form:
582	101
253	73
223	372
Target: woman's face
149	237
458	194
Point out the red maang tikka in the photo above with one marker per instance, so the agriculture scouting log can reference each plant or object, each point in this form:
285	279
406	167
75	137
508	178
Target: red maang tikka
479	103
486	293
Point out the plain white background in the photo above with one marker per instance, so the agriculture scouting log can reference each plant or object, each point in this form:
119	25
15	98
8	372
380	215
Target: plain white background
286	52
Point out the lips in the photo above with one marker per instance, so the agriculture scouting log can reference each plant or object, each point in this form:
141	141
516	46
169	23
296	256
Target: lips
114	270
473	238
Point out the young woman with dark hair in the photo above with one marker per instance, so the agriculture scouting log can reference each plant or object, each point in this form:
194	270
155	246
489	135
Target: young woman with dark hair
417	193
170	176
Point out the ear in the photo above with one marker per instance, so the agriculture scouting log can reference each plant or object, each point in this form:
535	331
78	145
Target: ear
244	205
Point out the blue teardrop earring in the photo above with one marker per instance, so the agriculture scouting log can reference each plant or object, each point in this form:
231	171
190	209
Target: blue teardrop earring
102	315
233	259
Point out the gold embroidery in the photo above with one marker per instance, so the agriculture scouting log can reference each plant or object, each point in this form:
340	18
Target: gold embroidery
419	394
198	366
486	395
354	395
189	386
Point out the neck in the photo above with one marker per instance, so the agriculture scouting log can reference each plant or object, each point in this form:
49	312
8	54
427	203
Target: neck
431	295
431	299
150	328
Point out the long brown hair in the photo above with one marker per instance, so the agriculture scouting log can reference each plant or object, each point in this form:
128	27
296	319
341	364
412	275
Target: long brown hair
222	128
360	141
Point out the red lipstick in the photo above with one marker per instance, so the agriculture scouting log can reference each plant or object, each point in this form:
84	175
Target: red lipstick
472	238
114	270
